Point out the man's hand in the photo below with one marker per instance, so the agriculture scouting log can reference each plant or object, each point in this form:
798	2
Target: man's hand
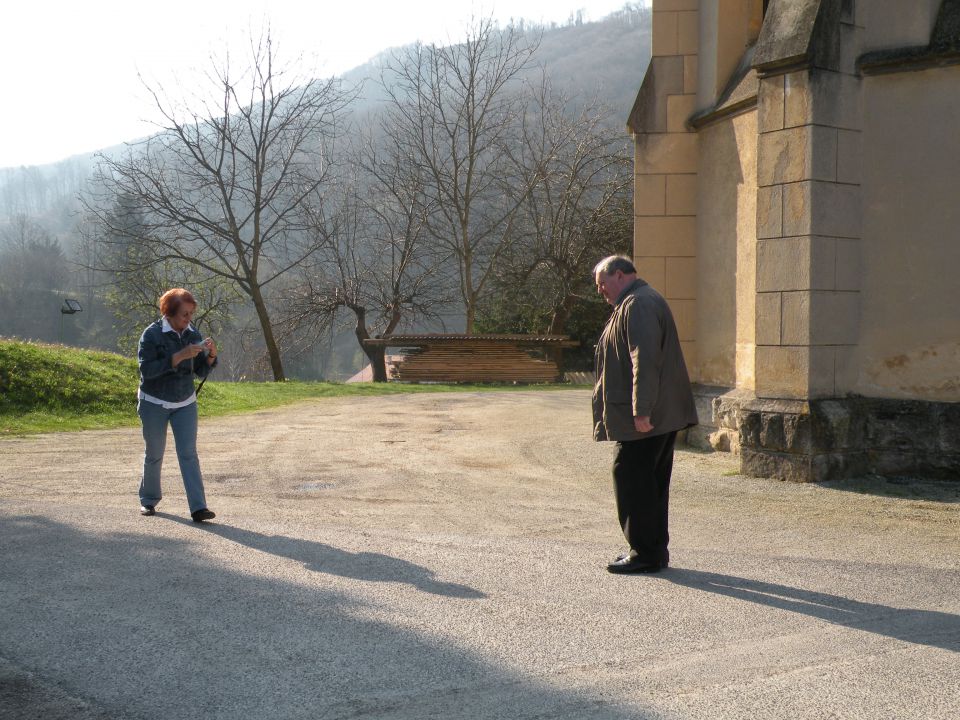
642	423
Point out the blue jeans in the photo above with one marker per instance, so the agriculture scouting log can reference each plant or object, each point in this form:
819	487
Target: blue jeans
155	419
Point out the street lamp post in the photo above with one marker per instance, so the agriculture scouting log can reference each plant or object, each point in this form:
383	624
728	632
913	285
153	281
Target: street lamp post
69	307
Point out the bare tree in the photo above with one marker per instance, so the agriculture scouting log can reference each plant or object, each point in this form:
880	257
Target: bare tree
222	186
580	206
452	112
578	210
33	275
137	278
373	260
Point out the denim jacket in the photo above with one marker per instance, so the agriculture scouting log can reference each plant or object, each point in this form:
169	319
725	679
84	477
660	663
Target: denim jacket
158	377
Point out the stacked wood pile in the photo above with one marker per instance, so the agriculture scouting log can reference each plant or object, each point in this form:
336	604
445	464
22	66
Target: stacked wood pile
473	358
476	363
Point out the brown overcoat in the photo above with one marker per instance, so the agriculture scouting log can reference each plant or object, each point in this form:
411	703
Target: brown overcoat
640	369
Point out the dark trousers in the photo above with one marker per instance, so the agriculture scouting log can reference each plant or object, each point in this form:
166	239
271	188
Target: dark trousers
641	483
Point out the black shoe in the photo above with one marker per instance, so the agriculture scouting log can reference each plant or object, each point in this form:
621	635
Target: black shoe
626	564
664	561
201	515
147	510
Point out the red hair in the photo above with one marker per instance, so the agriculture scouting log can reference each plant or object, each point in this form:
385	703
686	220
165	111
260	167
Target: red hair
171	301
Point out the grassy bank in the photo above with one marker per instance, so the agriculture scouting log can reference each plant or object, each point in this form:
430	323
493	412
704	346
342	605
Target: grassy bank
49	388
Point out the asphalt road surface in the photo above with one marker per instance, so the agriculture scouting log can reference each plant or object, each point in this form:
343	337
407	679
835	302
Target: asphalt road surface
443	556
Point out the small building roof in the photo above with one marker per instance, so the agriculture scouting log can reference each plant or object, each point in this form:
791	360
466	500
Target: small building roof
470	339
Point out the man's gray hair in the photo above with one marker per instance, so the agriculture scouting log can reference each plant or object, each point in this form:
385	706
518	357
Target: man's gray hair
609	265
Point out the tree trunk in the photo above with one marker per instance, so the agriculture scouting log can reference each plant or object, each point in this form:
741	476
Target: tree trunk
376	355
276	364
558	324
561	313
378	362
471	316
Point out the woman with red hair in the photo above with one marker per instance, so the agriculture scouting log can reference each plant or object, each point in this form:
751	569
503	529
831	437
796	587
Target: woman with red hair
170	354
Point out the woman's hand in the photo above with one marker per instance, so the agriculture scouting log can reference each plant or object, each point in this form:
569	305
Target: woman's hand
211	349
188	353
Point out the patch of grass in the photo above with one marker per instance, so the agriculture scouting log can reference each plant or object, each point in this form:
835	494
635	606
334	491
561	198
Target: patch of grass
35	377
52	388
223	398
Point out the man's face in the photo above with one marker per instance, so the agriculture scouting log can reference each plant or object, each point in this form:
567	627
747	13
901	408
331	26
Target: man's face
610	286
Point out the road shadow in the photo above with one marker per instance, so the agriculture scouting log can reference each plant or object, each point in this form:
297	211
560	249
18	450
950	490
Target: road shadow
148	627
922	627
906	488
322	558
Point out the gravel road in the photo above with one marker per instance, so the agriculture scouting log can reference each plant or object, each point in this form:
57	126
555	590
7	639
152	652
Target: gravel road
443	556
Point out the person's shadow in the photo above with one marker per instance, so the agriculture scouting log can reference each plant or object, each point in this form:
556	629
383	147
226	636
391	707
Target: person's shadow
318	557
923	627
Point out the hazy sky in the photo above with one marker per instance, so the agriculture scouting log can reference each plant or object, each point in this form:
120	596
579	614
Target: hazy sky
70	81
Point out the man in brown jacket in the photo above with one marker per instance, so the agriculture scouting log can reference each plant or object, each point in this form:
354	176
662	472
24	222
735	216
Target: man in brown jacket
641	399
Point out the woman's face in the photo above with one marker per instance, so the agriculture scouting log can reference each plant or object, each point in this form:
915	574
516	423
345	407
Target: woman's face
180	319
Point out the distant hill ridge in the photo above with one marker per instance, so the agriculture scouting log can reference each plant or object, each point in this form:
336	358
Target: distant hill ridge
604	59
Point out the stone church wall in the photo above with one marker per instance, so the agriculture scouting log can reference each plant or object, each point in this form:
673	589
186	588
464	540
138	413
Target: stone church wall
797	165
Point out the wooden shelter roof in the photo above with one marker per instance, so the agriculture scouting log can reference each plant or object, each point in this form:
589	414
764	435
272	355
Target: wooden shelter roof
467	339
